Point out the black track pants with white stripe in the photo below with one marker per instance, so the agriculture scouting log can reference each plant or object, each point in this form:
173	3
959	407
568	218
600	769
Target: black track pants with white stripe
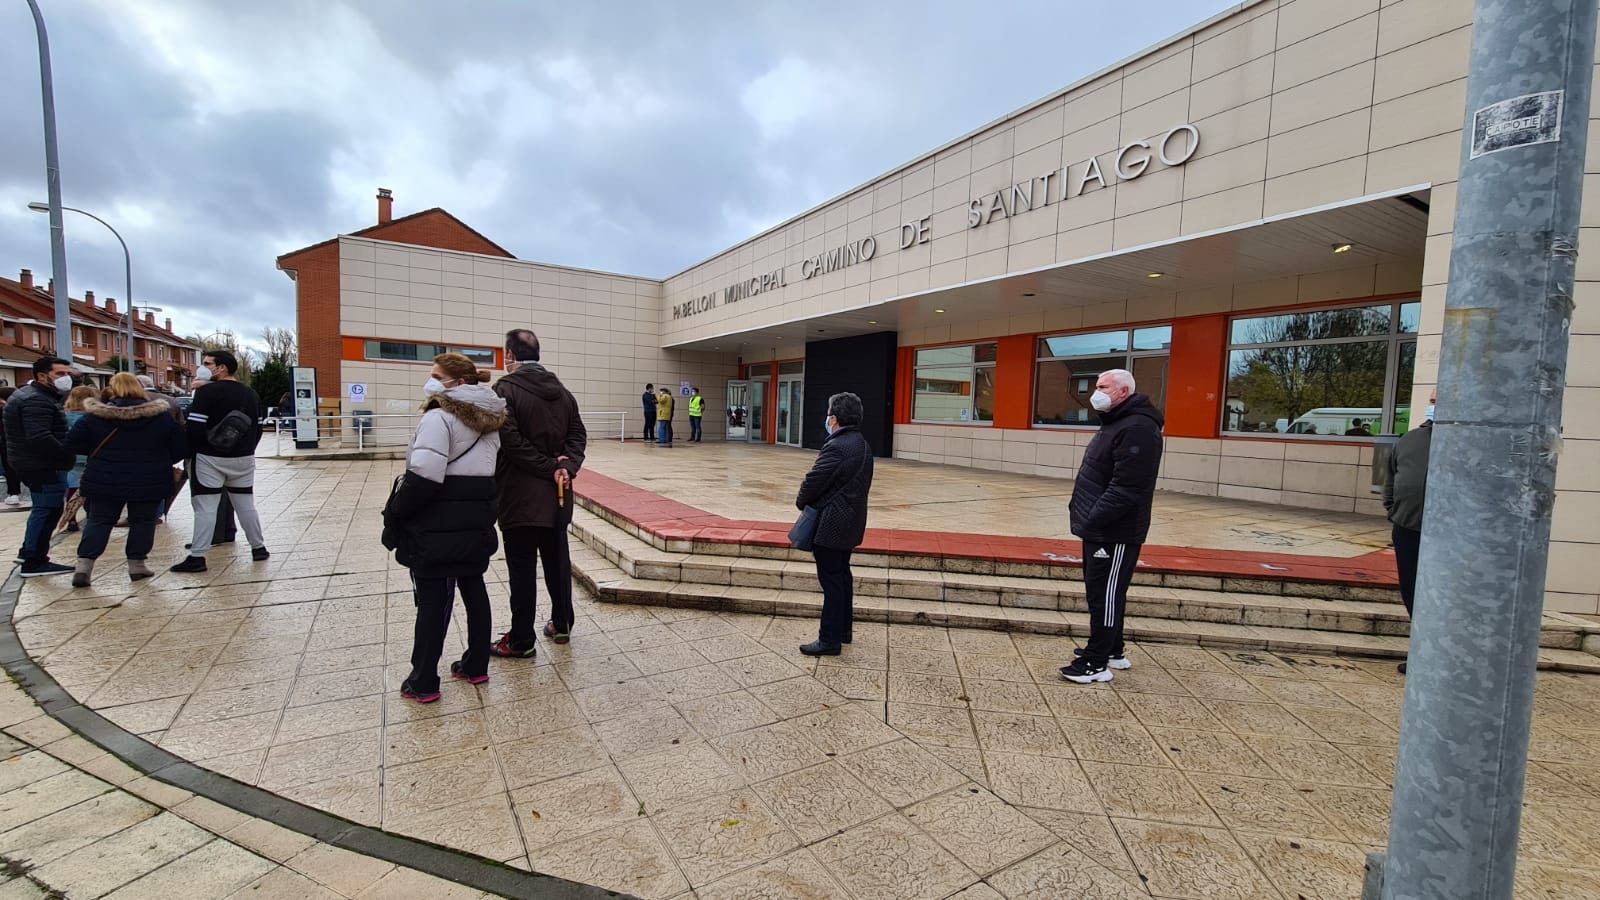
1107	569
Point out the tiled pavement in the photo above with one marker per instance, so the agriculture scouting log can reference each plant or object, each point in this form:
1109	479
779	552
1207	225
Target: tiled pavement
77	822
666	751
757	482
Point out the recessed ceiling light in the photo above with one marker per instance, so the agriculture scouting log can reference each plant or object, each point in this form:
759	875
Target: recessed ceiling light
1154	275
1342	248
939	311
1029	294
872	321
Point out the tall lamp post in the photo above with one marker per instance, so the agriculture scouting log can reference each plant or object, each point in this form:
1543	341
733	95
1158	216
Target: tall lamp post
127	271
52	171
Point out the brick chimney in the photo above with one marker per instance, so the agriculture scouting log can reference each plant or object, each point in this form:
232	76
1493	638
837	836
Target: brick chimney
88	299
169	325
26	279
51	288
149	318
385	206
111	305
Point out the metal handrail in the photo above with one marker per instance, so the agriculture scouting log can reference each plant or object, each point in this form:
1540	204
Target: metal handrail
381	429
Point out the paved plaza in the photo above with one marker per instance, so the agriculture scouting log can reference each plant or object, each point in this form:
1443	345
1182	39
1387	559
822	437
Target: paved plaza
675	753
740	481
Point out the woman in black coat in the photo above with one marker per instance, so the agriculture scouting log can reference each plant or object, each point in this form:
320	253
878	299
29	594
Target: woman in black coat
132	443
837	486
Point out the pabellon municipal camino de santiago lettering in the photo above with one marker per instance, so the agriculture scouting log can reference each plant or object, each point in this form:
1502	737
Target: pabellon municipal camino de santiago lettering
1174	148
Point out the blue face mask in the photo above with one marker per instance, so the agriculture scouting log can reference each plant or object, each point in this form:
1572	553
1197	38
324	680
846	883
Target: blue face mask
827	425
1429	413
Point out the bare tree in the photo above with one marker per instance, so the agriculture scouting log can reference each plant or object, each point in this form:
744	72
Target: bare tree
282	346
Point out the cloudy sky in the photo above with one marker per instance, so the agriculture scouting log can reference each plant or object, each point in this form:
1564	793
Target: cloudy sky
636	137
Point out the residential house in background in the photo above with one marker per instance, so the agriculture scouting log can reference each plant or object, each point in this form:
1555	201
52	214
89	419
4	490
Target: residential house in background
99	334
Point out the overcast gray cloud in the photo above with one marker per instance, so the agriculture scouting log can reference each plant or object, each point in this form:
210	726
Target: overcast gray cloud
631	137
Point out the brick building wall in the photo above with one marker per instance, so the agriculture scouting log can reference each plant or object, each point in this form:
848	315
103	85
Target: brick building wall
317	280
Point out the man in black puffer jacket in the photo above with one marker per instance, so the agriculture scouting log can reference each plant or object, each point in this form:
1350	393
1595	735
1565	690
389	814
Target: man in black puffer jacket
34	431
837	486
1110	511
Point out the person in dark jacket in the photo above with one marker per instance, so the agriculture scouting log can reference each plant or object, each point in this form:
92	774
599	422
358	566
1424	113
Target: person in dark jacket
1405	490
649	401
131	443
13	483
1110	512
35	427
837	486
541	450
440	520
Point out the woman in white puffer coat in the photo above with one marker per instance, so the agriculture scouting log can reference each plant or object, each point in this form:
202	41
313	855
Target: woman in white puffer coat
440	519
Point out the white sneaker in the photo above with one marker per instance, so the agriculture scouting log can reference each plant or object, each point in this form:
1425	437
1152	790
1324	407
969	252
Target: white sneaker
1119	663
13	500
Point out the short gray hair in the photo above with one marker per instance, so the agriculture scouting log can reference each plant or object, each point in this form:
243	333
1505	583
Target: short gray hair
1122	377
845	407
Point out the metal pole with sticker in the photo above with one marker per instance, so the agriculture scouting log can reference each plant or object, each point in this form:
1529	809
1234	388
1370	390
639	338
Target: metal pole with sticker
1465	727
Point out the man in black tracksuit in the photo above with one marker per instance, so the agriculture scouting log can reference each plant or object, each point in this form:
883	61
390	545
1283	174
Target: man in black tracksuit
1110	511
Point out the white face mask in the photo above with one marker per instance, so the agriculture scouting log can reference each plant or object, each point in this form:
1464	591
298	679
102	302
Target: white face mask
63	384
1429	413
202	374
1100	400
432	386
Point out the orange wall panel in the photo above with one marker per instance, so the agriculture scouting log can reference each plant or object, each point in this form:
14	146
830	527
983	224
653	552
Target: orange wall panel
905	373
1195	376
1013	382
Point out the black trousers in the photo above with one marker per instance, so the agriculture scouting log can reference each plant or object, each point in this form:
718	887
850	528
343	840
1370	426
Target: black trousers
1407	548
838	595
103	515
434	603
649	425
525	549
13	483
1107	570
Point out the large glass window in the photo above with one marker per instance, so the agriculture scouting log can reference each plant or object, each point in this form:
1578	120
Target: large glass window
405	351
955	384
1342	372
1070	364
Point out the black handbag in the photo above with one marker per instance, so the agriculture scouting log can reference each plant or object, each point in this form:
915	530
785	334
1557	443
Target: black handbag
805	529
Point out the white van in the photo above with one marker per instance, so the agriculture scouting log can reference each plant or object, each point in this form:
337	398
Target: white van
1339	421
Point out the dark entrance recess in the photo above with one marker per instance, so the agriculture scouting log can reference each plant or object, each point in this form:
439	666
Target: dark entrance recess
864	366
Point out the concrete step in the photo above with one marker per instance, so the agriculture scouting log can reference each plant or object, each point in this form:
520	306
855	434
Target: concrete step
710	553
1196	610
610	584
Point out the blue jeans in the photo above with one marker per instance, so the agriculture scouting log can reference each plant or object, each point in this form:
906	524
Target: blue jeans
664	432
694	427
49	492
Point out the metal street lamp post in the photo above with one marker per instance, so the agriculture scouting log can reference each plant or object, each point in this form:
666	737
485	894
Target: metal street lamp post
52	170
127	270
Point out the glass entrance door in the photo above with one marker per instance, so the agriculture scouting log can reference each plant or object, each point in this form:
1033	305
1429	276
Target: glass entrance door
791	410
738	411
758	411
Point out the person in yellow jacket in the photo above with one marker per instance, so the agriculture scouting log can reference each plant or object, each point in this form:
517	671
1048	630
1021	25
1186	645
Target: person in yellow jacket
664	419
697	411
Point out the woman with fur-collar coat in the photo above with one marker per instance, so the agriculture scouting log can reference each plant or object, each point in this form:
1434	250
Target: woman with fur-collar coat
132	442
440	519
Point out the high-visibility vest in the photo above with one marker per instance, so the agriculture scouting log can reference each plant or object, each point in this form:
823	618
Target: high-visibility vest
697	405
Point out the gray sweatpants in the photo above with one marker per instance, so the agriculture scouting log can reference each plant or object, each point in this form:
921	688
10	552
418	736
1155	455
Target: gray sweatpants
212	476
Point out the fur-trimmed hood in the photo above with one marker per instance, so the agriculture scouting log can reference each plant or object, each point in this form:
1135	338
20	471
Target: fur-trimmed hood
127	410
474	405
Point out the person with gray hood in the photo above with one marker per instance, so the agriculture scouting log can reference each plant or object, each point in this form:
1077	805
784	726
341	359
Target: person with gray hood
439	519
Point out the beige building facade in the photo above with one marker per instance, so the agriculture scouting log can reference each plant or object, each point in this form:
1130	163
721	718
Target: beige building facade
1254	217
